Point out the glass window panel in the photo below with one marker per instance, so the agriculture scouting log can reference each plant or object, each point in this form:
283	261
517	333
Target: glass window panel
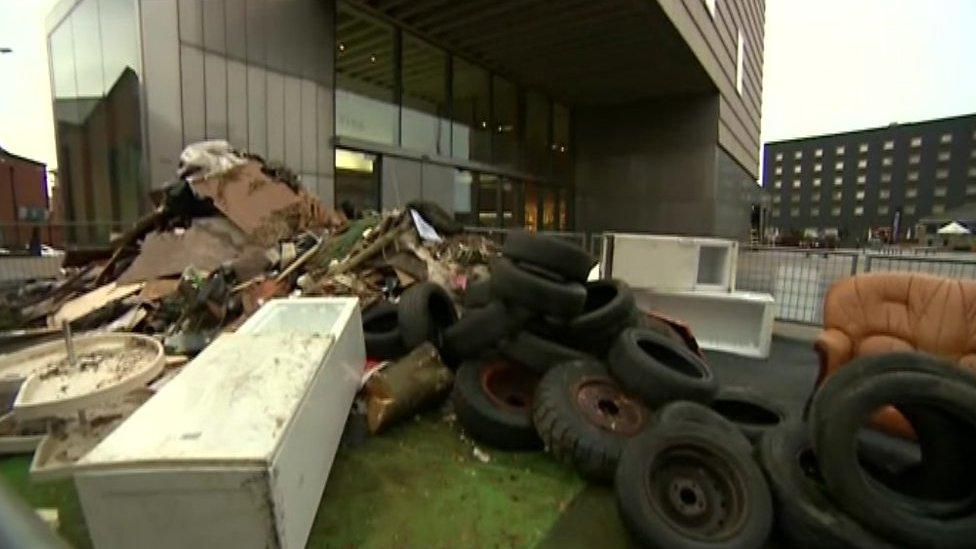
88	50
549	204
488	186
424	122
470	136
464	198
364	99
560	139
531	206
511	214
537	132
505	144
564	209
357	184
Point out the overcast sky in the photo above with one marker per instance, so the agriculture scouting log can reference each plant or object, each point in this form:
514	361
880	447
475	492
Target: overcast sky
830	65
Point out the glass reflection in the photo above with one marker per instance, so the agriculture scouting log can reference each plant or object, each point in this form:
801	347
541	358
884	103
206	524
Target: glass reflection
505	130
471	138
365	102
424	122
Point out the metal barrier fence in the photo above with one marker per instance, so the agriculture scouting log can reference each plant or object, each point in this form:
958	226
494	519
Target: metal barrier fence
498	235
799	279
18	236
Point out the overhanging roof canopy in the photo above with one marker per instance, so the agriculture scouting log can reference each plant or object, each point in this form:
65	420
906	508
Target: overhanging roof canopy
580	51
954	228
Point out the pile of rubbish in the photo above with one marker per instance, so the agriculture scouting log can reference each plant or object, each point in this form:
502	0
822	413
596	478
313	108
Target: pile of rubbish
229	233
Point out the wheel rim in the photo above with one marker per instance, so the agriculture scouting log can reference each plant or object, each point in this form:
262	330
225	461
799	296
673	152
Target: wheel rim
603	404
508	385
697	493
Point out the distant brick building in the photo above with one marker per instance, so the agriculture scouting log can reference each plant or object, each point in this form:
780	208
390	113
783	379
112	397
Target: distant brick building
23	198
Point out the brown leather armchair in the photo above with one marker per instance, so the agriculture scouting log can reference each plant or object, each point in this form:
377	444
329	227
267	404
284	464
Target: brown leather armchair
878	313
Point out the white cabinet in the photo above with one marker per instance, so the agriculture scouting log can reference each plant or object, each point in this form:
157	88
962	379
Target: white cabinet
666	262
735	322
235	451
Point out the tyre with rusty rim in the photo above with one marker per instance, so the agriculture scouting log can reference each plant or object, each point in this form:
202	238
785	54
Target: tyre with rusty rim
584	417
686	485
493	401
658	369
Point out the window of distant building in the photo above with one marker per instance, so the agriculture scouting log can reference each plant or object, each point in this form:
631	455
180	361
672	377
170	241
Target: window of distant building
740	52
938	208
839	150
777	199
838	195
939	191
971	172
911	192
970	190
839	165
886	178
797	169
814	212
861	179
883	210
914	159
889	145
815	197
909	209
796	183
779	157
779	170
778	184
816	181
775	212
798	155
945	138
916	142
795	197
913	176
835	211
863	147
886	161
884	194
794	212
862	163
818	153
941	173
710	5
974	134
859	195
944	156
972	153
838	181
859	210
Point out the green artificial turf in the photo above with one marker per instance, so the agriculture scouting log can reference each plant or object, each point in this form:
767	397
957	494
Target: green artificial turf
417	485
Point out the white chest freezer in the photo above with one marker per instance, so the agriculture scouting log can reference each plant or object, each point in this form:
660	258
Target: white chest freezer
235	451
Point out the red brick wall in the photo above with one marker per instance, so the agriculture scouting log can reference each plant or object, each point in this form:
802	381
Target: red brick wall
22	183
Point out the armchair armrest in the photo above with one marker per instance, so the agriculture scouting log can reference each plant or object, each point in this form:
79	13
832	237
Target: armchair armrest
834	348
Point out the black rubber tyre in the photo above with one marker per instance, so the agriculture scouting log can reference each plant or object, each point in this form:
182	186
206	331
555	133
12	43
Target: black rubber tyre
584	417
608	303
552	254
538	353
476	331
947	444
839	416
381	332
686	410
806	517
538	294
493	401
661	327
424	312
658	369
541	271
751	411
477	294
688	485
439	219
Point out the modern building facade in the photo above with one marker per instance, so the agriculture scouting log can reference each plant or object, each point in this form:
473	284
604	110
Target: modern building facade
23	198
636	115
879	180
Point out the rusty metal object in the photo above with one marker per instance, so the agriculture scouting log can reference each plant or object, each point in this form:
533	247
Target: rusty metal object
406	386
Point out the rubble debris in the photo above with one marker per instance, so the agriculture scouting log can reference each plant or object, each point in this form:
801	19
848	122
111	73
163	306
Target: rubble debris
207	159
92	301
